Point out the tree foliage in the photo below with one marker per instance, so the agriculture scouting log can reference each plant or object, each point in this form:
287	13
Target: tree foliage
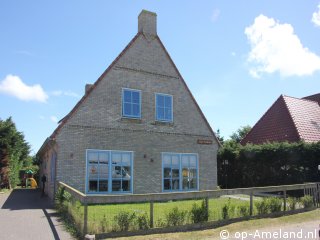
14	153
268	164
240	133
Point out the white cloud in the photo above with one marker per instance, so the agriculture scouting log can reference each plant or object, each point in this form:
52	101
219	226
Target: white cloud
215	15
65	93
316	17
54	119
14	86
275	47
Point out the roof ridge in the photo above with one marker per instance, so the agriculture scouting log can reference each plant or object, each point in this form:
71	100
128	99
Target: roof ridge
84	97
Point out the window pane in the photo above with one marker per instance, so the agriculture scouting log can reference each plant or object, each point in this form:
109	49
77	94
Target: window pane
116	172
167	184
116	158
93	157
185	172
192	172
193	161
185	161
175	160
175	173
126	159
93	186
160	101
126	171
116	185
103	171
136	97
160	113
167	102
103	186
167	114
167	173
93	171
175	184
103	157
127	109
125	185
166	160
127	96
135	110
185	184
193	183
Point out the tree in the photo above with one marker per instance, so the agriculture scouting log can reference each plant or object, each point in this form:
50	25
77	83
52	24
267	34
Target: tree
240	133
220	138
14	153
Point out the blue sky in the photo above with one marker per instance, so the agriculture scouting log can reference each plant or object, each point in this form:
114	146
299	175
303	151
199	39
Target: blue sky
237	57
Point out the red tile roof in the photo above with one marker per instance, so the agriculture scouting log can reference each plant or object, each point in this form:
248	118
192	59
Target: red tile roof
288	119
315	97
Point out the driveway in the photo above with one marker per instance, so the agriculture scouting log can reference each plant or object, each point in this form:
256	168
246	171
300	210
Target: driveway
24	214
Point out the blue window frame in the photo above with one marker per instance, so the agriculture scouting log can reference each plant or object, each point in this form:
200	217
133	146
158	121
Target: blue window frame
180	172
109	171
131	103
164	107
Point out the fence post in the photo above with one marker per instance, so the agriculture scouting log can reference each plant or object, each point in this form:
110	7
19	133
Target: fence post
151	214
284	200
85	218
251	204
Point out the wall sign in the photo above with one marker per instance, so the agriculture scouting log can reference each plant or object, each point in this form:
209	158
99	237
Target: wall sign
204	141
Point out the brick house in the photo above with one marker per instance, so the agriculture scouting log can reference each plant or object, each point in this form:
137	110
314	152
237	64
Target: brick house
288	119
137	129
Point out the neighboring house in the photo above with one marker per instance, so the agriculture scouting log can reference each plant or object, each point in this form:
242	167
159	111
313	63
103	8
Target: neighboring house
288	119
137	129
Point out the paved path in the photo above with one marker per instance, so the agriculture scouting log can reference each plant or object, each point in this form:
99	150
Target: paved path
24	214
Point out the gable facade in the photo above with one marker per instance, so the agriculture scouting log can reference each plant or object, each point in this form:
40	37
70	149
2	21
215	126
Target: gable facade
138	129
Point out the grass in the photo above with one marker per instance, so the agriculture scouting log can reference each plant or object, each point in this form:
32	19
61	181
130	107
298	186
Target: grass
235	227
103	215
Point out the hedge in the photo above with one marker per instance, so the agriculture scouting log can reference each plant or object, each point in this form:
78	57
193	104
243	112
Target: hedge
268	164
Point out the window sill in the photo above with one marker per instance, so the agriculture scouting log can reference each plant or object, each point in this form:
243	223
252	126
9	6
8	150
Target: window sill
159	123
130	120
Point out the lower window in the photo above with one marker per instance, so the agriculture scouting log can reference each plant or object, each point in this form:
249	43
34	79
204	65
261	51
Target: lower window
109	171
179	171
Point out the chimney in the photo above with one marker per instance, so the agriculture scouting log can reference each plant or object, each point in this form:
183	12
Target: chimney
147	23
88	87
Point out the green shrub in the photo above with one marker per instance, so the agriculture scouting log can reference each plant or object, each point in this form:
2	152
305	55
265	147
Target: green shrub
292	203
199	213
307	201
142	221
176	217
104	224
244	211
123	220
262	206
226	210
274	204
61	196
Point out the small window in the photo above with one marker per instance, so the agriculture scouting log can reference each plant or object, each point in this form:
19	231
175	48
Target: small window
131	103
164	108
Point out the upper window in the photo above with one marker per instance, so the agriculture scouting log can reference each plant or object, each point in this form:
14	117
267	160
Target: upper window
131	103
164	108
109	171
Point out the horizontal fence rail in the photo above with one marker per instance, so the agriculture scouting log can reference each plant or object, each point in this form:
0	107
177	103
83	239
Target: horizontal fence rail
129	198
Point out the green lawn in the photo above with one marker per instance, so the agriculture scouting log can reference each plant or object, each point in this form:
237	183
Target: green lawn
101	218
235	227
